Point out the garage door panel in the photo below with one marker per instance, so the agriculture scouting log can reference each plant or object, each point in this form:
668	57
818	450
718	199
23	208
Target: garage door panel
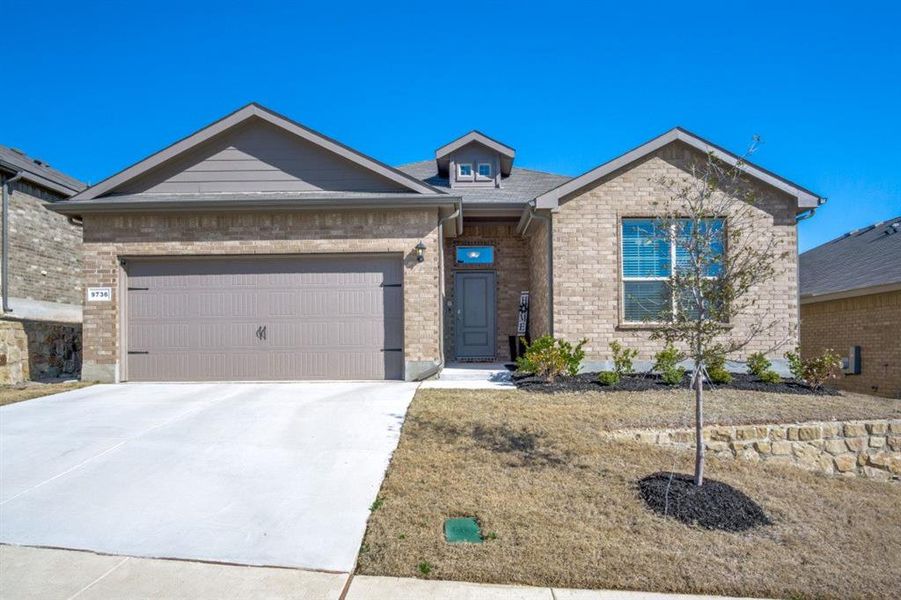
324	318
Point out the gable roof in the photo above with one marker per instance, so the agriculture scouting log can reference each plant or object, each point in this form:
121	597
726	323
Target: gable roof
866	260
235	119
521	186
551	199
38	172
507	154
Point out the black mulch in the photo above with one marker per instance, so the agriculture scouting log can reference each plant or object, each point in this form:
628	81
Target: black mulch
588	382
714	505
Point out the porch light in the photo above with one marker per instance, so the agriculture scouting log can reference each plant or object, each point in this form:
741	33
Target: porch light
420	251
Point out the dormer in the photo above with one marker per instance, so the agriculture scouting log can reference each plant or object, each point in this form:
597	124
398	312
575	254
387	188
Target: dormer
474	160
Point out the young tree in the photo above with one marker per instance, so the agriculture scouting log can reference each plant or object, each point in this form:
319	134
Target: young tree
722	251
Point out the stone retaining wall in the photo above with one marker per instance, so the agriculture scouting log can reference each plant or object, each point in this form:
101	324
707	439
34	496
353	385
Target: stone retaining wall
870	448
13	353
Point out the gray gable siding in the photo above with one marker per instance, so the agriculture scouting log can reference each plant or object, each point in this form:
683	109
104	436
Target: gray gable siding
258	157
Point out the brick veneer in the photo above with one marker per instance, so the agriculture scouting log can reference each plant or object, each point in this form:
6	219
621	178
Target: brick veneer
872	322
108	237
538	275
586	256
45	250
511	264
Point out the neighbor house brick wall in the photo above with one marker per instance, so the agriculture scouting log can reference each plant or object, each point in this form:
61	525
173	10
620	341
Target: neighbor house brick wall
586	267
872	322
108	237
511	265
44	248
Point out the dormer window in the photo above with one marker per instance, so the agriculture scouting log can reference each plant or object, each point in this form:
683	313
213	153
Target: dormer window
464	170
485	170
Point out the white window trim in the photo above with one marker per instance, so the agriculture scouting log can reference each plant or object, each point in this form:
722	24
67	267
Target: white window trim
461	176
490	174
625	279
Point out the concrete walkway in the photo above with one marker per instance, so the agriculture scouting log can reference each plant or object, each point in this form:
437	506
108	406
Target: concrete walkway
49	574
472	376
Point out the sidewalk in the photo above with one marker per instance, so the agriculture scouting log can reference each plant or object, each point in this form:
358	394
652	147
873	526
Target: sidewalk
51	574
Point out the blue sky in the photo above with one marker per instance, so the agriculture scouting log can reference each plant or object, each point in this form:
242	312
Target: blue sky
92	86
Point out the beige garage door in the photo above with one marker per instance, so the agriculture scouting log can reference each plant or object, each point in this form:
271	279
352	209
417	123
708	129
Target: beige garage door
268	318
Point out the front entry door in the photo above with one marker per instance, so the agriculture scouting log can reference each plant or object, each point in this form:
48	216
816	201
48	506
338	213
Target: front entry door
474	326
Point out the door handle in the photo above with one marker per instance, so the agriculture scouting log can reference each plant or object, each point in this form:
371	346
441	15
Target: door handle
261	332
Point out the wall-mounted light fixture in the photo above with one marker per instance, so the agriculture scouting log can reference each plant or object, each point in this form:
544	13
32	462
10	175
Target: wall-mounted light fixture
420	251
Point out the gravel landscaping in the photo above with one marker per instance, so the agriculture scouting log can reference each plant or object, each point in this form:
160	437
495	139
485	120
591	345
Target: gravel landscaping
562	505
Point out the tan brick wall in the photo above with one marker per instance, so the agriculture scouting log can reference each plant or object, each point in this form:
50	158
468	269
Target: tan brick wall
538	275
587	300
511	265
45	250
108	237
872	322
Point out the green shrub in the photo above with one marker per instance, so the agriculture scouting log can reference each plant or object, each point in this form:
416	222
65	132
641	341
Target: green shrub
814	371
716	367
758	364
622	358
665	364
608	378
769	376
549	358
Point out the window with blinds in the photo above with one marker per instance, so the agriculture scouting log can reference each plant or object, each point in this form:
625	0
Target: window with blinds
648	256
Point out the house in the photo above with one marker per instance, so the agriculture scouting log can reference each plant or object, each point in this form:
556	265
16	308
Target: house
41	266
257	248
851	304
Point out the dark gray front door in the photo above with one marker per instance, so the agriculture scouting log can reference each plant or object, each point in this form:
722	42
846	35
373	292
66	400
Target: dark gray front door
475	303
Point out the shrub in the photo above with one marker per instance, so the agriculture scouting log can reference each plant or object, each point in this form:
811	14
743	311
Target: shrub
622	358
758	364
769	376
716	367
549	358
665	364
608	378
814	371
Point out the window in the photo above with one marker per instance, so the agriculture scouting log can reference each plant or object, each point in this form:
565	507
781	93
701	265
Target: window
484	169
464	170
648	256
475	255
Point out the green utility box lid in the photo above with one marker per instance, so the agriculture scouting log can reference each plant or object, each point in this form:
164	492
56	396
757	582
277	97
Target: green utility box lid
462	530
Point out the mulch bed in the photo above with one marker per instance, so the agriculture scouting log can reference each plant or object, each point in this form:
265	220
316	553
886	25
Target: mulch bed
588	382
714	505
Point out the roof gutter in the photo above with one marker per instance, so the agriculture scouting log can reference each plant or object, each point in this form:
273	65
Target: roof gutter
806	214
4	278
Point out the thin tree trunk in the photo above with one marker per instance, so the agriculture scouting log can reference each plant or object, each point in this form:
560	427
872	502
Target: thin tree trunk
699	426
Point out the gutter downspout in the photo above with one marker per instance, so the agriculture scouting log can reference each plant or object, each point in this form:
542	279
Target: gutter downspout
4	284
437	369
533	214
802	216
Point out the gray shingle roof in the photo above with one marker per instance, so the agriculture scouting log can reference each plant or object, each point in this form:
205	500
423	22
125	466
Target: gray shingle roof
864	258
39	173
521	186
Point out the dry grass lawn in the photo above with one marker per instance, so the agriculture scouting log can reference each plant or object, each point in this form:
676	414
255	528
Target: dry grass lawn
10	394
564	508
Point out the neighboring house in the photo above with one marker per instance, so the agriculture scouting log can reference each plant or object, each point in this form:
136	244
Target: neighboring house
257	248
851	303
41	256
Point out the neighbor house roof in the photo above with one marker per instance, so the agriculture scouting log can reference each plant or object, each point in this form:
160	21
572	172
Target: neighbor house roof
240	116
38	172
551	199
521	186
864	261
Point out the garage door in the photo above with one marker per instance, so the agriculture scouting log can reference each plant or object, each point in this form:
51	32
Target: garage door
268	318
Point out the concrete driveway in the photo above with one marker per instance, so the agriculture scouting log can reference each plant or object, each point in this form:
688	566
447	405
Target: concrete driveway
257	474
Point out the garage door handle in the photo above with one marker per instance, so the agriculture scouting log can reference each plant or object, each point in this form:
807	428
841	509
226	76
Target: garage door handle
261	332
